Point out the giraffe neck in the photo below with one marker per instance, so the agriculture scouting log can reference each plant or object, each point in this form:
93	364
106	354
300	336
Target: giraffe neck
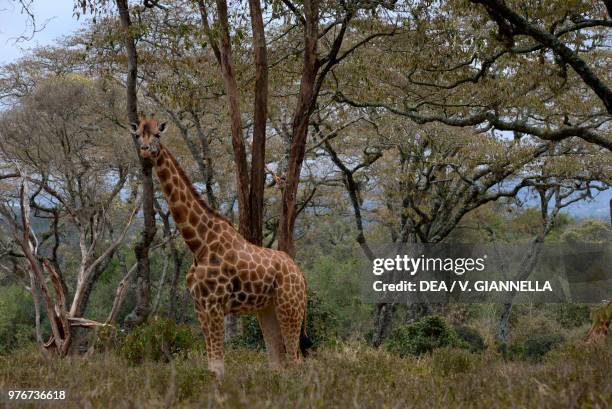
197	222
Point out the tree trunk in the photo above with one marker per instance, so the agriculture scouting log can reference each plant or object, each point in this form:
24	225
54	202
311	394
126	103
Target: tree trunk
207	169
176	261
527	266
260	117
301	120
249	186
504	320
382	324
35	296
91	282
224	55
175	256
141	249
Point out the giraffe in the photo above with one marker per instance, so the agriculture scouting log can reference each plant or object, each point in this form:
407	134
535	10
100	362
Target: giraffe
229	275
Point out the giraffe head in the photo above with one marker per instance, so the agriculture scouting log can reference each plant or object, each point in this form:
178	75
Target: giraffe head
148	131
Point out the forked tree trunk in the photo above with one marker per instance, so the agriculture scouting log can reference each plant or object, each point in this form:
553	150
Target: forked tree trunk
249	184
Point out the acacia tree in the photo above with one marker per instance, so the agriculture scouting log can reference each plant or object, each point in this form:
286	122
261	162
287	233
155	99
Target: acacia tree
568	174
494	67
429	178
586	16
324	34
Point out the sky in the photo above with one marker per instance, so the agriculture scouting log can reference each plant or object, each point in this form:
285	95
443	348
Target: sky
58	20
55	15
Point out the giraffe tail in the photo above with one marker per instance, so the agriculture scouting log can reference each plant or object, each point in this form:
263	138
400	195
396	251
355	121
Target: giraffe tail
305	341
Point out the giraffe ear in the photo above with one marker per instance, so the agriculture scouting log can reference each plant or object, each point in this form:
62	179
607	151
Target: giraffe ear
133	127
162	128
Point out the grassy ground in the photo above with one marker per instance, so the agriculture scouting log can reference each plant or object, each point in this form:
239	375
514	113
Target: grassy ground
349	376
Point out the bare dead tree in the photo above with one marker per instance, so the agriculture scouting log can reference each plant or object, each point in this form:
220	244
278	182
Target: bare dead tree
63	318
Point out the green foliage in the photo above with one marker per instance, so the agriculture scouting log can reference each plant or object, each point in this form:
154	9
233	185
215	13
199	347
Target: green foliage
16	318
423	336
471	338
158	340
251	337
590	231
321	321
332	276
449	361
533	334
108	339
535	346
571	315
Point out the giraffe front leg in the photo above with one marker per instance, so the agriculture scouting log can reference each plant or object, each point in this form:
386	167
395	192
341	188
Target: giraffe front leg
213	325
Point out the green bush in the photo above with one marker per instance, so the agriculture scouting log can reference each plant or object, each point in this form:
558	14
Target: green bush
448	361
423	336
17	320
320	322
108	339
572	315
471	337
158	340
251	337
535	346
332	276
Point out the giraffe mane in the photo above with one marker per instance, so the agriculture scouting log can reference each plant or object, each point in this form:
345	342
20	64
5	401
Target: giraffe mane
195	193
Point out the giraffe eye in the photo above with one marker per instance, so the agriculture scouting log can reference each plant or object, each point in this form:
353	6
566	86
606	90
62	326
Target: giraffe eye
133	128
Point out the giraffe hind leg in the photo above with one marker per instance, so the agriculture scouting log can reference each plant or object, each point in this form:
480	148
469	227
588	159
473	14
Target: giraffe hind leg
290	315
290	325
273	336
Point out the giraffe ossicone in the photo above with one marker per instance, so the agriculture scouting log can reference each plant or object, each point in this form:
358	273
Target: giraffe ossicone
229	275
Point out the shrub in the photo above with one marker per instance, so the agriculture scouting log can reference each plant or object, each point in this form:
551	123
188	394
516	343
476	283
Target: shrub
423	336
333	277
108	339
158	340
589	231
471	337
17	318
572	315
448	361
535	346
320	320
251	337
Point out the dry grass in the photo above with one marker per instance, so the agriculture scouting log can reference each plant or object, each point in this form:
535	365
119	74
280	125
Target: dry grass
350	376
